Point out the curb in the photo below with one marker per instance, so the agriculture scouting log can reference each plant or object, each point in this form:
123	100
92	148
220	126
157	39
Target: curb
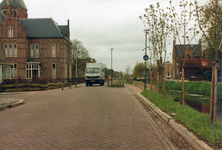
10	105
191	138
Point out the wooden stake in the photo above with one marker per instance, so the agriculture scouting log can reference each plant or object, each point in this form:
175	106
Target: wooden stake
215	94
212	93
157	82
151	81
182	89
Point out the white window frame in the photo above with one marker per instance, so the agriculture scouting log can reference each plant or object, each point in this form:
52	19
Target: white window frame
15	50
53	71
10	46
6	50
10	31
32	49
14	72
53	50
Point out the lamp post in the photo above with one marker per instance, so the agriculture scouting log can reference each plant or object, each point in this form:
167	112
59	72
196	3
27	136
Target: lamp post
111	66
145	57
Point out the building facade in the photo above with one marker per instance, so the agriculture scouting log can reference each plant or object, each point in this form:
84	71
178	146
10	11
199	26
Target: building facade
168	68
35	48
195	63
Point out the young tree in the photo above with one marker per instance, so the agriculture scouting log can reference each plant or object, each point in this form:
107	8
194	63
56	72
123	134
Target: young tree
183	28
209	17
138	70
78	52
158	24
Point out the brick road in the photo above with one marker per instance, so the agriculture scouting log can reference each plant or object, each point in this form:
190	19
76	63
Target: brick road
86	118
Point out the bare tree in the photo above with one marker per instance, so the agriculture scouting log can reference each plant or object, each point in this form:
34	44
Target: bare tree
185	27
209	19
158	24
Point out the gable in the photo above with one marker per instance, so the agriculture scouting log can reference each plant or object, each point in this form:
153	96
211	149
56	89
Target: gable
196	49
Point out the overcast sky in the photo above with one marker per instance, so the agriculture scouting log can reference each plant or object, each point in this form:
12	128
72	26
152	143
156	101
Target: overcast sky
101	25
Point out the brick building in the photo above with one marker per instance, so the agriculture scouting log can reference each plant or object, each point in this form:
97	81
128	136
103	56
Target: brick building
34	47
195	63
168	68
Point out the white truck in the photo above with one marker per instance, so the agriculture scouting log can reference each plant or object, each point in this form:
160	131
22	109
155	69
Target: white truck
95	74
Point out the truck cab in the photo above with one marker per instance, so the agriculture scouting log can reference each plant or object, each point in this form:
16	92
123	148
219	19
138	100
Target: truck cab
95	74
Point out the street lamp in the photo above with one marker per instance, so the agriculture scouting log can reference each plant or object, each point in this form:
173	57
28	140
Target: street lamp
111	66
145	57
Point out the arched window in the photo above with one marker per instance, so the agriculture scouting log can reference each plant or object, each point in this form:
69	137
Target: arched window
10	31
53	50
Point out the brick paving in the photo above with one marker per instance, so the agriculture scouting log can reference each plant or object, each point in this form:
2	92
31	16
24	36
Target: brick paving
86	118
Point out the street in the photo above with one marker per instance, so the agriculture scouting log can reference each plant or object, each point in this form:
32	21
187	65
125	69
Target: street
81	118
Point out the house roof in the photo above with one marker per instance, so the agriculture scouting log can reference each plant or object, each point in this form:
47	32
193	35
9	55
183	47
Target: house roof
196	48
14	3
43	28
29	60
2	15
3	62
64	30
196	62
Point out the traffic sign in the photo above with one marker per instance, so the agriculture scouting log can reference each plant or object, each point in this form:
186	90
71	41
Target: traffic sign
145	57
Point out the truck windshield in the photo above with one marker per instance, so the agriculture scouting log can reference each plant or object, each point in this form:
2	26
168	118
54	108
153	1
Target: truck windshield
92	70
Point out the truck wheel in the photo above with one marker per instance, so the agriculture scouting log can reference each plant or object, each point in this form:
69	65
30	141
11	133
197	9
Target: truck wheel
101	83
87	84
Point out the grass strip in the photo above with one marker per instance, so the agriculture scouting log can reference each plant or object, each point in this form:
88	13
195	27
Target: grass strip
195	121
203	88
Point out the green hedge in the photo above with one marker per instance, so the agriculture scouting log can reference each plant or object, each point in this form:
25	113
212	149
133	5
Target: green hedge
203	88
195	121
32	87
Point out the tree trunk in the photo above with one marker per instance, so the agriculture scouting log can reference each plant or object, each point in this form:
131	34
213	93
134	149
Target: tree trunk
212	93
163	82
182	89
215	94
151	80
157	82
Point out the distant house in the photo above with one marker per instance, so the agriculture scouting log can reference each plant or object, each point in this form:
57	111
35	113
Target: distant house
34	47
194	63
168	67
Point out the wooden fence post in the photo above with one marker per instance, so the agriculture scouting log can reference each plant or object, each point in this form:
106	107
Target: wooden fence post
62	86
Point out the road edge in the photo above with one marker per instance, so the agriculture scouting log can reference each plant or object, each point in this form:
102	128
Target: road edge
191	138
10	105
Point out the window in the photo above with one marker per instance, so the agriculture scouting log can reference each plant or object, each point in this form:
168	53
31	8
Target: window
10	50
10	31
6	72
53	71
177	71
14	71
32	70
53	50
15	50
6	50
36	50
177	61
32	51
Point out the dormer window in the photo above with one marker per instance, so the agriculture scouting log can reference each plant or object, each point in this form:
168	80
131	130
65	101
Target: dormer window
10	31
